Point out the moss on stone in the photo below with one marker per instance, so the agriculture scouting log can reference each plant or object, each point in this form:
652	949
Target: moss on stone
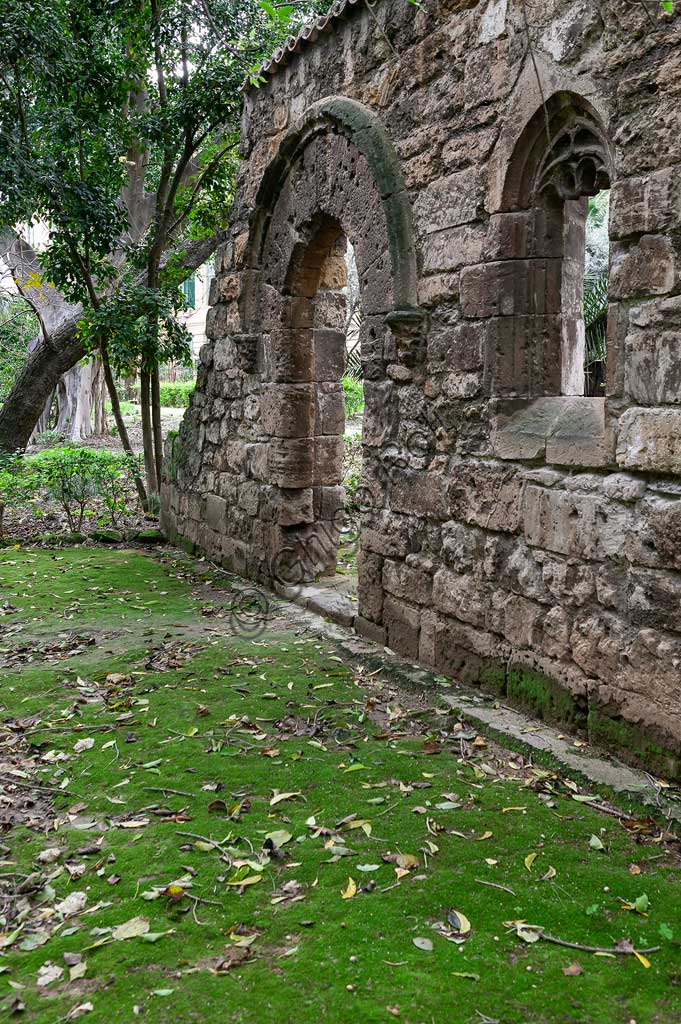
544	697
187	545
493	677
610	730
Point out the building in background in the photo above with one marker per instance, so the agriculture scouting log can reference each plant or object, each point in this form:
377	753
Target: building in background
196	290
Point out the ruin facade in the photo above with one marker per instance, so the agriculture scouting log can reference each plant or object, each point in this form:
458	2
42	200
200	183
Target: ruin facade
514	533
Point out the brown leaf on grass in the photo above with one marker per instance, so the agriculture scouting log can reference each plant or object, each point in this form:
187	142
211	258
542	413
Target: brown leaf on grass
234	956
573	971
431	747
217	807
406	861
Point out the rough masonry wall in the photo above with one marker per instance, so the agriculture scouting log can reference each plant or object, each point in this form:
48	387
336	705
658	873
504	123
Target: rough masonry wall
514	533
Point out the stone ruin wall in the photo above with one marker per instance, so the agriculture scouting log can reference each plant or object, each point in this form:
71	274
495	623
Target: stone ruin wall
513	533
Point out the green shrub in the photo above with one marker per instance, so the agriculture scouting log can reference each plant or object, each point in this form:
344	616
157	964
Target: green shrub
177	395
73	476
15	484
68	475
173	396
354	397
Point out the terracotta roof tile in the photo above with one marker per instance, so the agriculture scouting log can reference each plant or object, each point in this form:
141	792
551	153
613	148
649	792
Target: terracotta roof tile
308	33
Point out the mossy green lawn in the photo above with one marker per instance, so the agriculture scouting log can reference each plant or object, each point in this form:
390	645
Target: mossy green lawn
237	721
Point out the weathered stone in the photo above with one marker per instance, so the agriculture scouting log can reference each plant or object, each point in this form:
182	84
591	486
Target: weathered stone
573	524
485	494
450	201
216	512
650	439
409	584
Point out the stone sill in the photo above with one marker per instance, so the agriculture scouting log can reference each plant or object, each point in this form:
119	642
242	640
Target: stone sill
566	431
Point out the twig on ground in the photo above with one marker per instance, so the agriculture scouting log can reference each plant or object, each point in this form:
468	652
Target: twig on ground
166	789
596	949
495	885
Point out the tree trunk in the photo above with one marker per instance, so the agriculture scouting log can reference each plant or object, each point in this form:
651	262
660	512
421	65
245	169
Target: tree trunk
75	396
99	393
147	433
43	423
59	348
118	416
158	428
36	382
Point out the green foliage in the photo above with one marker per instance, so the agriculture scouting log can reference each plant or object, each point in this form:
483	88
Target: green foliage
140	328
176	396
72	476
595	319
16	486
354	397
18	325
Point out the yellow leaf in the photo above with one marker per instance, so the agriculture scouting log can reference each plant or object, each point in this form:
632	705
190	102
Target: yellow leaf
485	835
131	929
491	861
278	797
464	924
407	861
640	957
248	880
401	872
551	873
505	810
350	890
529	860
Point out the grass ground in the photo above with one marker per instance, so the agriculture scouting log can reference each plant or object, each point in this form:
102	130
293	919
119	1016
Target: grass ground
281	835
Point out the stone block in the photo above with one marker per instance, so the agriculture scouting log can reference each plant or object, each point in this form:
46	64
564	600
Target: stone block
522	621
650	440
652	360
485	494
647	204
577	525
287	410
328	461
330	310
370	585
453	248
655	599
216	513
512	288
469	654
407	583
460	597
564	430
294	507
645	267
370	630
402	622
290	462
419	493
287	355
330	414
450	201
329	354
623	487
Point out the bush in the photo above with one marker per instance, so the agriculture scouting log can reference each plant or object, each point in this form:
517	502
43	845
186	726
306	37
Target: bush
72	476
68	475
177	395
15	484
354	397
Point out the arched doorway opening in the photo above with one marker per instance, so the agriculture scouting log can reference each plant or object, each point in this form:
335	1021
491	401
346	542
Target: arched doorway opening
319	527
